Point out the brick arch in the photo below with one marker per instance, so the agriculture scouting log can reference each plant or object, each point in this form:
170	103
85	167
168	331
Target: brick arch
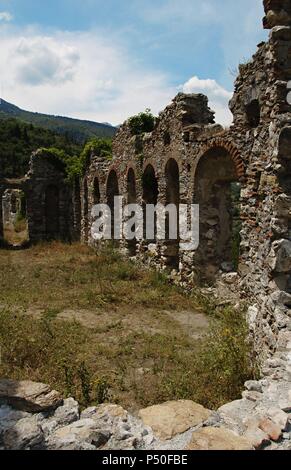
132	184
176	161
96	188
153	163
232	151
132	166
109	170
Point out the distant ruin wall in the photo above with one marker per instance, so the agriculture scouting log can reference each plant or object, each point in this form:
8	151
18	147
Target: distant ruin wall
49	201
51	209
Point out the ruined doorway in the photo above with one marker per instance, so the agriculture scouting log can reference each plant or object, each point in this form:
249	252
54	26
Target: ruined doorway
52	213
172	197
15	224
150	196
217	191
112	190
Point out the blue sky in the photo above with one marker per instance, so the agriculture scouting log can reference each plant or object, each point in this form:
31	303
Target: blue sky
105	60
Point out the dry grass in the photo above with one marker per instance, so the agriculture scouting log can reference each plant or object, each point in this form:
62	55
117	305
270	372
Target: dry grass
57	276
98	327
17	233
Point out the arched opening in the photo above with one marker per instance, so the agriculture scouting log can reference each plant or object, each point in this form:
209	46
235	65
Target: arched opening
85	211
217	191
253	112
131	187
172	197
96	191
52	210
150	196
15	224
112	190
131	199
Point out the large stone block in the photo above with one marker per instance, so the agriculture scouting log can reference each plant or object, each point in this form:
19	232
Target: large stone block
174	417
82	435
283	206
29	396
280	259
25	434
218	439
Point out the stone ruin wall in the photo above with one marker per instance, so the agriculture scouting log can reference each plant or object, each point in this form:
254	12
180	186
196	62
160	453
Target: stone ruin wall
50	201
188	155
51	208
254	151
188	158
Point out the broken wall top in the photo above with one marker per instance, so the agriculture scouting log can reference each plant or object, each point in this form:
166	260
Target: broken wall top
278	13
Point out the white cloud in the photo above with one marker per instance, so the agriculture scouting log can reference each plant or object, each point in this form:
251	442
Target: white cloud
89	76
218	97
5	16
41	60
80	74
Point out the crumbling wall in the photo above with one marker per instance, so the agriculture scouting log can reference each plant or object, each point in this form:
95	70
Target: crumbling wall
253	154
49	200
183	134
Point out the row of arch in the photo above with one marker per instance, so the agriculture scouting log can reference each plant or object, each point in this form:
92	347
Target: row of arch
215	175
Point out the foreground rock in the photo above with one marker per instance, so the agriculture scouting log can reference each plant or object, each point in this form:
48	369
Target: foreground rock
84	434
261	419
29	396
218	439
172	418
26	434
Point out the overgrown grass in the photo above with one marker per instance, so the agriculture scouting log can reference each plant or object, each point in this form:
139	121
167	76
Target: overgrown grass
220	366
132	352
16	233
61	276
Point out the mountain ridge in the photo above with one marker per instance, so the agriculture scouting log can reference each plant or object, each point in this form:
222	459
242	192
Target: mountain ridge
76	129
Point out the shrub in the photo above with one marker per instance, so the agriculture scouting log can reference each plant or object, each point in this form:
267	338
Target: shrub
75	166
98	147
226	360
142	122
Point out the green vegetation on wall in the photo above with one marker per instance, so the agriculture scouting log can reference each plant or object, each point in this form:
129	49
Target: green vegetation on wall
142	122
19	140
74	166
97	147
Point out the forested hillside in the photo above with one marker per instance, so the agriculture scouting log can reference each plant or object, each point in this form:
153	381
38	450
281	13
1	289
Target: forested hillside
75	129
18	140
